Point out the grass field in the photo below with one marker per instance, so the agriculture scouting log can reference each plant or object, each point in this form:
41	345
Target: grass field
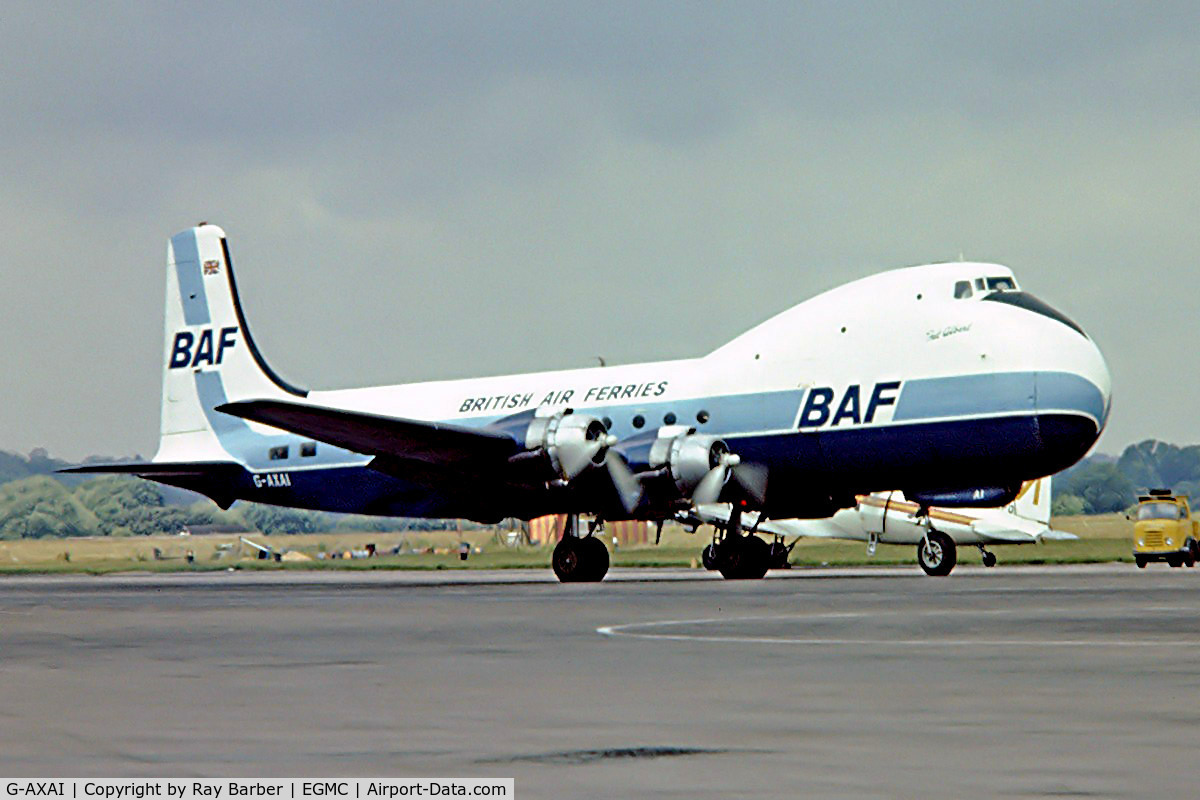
1102	538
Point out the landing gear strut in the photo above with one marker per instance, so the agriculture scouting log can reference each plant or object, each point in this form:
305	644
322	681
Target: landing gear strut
579	559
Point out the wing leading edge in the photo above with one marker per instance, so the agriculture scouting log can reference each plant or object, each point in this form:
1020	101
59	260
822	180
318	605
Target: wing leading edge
391	438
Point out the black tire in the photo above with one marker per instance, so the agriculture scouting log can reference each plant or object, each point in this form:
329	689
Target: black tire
708	557
989	559
595	558
779	556
567	560
729	556
1175	561
579	560
744	558
941	557
757	558
1141	562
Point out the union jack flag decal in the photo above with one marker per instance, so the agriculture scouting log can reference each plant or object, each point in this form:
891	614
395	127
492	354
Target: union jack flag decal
212	267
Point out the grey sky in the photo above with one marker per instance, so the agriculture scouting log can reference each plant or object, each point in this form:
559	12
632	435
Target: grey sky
439	190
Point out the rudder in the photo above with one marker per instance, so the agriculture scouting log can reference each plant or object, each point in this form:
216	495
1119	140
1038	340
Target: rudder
1033	502
209	356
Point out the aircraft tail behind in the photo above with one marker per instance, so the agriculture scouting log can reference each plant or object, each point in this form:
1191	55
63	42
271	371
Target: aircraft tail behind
1033	503
209	357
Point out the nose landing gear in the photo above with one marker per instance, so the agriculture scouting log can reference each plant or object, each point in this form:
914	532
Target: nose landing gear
936	553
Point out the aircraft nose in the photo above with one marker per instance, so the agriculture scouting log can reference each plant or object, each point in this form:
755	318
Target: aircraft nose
1073	387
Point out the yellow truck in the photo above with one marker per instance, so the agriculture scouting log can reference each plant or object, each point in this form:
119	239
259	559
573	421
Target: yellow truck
1164	530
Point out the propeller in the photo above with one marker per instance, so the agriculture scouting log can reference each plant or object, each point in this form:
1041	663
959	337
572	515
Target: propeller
576	455
752	478
626	483
708	490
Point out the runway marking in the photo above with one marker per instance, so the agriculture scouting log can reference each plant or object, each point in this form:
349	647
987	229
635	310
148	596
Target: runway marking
635	630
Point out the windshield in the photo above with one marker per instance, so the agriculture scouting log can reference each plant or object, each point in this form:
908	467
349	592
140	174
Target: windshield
1158	511
1001	284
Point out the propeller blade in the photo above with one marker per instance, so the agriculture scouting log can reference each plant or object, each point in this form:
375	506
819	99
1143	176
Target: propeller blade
710	486
575	457
753	480
629	488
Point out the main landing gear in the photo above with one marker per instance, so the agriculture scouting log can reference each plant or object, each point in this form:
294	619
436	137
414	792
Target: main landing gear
988	557
739	556
579	559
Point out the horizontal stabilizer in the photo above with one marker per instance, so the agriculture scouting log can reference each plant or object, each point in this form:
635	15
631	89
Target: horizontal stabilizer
153	469
212	478
377	435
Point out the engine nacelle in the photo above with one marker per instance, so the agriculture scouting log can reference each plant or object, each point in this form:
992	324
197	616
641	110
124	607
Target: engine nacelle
571	442
692	457
982	497
673	459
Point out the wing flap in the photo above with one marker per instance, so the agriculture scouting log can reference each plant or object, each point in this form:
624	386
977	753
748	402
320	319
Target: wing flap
378	435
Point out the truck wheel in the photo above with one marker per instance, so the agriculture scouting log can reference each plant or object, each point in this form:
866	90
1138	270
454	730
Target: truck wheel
1175	561
1141	562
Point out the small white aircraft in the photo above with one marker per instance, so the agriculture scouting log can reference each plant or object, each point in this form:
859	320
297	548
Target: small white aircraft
945	381
889	518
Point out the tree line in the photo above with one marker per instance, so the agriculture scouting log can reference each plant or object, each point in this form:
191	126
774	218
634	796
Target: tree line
35	502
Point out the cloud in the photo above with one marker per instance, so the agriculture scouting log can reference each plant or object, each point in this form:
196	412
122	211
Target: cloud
439	190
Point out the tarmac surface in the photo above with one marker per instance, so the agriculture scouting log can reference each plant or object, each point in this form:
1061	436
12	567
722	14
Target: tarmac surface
1011	682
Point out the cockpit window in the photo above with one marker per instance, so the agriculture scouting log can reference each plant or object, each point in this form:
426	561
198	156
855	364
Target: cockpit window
962	290
979	284
1030	303
1002	284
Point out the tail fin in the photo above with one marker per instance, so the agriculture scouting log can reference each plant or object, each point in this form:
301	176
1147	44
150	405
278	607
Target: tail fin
1033	502
209	357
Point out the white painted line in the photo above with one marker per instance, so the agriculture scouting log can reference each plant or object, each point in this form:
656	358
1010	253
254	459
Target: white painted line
638	630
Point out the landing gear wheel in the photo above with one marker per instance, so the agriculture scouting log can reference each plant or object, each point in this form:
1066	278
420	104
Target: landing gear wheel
778	558
937	554
1141	562
596	557
744	557
579	560
989	559
708	557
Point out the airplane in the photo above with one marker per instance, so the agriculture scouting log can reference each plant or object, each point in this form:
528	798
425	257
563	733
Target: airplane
945	381
890	518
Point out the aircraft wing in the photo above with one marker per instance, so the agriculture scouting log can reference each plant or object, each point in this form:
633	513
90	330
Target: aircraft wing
819	528
390	438
1012	534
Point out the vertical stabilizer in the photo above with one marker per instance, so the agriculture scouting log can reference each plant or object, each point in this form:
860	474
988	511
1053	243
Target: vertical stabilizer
1033	502
209	357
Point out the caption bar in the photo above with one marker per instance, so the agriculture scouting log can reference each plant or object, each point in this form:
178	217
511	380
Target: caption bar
286	789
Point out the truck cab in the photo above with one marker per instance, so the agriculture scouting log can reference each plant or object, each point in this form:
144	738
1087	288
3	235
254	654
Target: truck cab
1164	530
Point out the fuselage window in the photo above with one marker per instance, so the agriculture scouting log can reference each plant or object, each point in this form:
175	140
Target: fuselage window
278	453
669	419
308	449
962	290
639	421
702	416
